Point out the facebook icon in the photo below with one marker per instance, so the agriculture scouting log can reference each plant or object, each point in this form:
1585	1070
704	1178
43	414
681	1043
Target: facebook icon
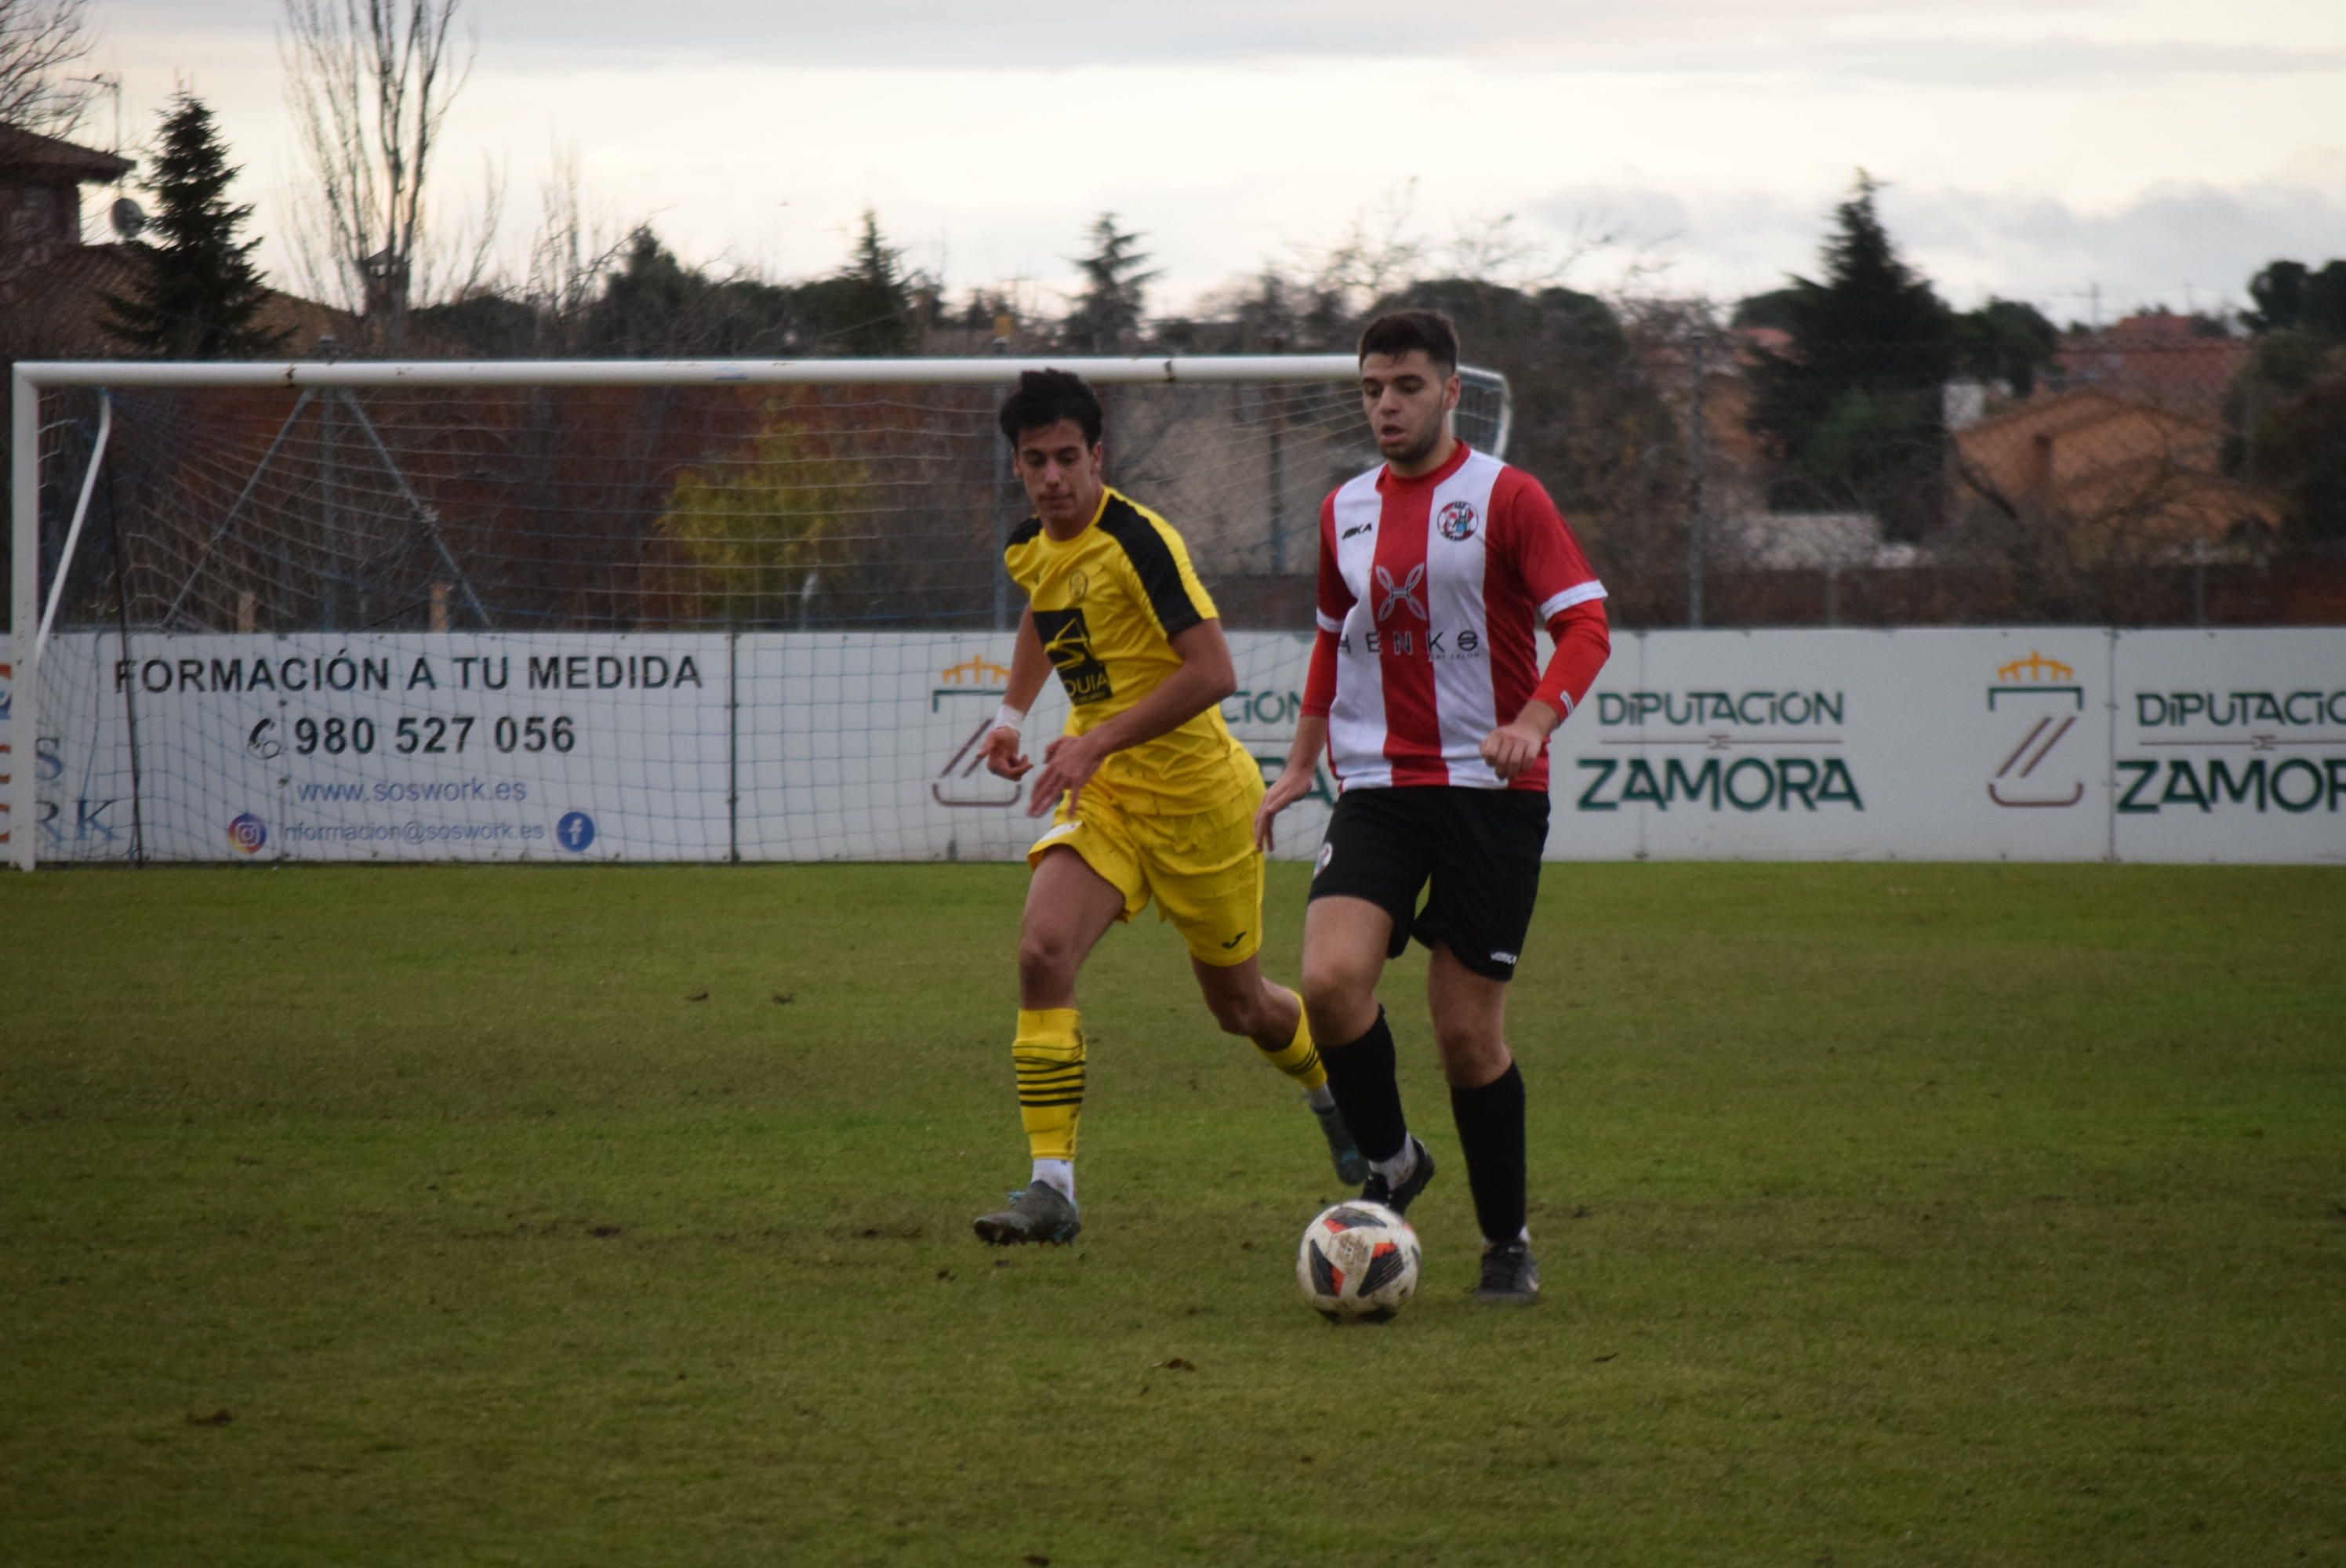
574	831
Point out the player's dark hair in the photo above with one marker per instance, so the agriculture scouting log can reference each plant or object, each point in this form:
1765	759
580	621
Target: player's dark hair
1044	398
1396	334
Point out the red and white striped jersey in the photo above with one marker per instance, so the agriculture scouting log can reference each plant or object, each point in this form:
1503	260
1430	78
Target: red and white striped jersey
1432	590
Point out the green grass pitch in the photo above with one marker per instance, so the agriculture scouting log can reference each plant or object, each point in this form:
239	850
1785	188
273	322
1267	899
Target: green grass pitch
1890	1214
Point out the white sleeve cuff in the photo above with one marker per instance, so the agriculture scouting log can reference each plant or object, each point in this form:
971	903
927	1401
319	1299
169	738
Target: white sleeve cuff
1333	628
1579	593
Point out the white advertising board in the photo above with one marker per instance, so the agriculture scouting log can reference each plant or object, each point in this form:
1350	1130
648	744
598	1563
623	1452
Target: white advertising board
856	746
410	747
2230	746
2022	744
1841	745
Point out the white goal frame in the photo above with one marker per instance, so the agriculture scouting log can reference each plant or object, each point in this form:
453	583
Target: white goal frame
30	620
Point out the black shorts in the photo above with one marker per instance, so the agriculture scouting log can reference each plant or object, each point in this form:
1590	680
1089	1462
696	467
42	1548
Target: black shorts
1479	849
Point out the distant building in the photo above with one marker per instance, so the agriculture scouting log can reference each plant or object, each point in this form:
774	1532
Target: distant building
40	200
2093	458
52	285
2157	359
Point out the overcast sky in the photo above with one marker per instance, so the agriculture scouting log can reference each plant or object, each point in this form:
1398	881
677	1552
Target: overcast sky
2086	156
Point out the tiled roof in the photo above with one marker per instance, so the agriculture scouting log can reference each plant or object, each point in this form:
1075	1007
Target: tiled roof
24	152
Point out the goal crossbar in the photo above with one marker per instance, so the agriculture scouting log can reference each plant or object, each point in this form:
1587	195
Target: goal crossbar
1105	371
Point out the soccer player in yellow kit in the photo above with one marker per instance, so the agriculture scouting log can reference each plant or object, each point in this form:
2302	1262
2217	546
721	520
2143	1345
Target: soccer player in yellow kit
1151	798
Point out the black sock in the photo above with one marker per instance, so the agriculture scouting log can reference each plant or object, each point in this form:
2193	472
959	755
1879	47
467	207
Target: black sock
1491	1131
1360	1076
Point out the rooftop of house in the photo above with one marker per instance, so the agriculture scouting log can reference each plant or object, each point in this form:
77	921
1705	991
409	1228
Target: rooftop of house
27	157
2059	413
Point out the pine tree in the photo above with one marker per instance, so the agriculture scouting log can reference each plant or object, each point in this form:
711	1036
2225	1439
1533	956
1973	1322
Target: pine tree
1107	314
871	308
197	292
1855	408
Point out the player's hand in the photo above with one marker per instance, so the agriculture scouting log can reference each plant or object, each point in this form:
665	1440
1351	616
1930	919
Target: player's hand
1512	748
1002	759
1292	784
1068	764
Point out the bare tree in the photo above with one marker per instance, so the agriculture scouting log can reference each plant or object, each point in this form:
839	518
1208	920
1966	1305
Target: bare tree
1378	253
370	83
569	256
39	39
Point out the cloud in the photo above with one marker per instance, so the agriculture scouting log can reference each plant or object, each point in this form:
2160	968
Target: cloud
1715	136
954	34
2185	246
2000	66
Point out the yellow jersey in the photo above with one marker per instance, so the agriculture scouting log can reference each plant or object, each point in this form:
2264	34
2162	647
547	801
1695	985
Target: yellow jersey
1108	605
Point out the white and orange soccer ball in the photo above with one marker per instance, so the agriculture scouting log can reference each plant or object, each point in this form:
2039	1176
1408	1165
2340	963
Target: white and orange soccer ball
1358	1262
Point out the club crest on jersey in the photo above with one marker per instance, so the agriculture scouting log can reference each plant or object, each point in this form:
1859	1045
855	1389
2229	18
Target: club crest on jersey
1456	520
1401	592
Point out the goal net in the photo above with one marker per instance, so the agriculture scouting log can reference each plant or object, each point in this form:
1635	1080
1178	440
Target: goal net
593	610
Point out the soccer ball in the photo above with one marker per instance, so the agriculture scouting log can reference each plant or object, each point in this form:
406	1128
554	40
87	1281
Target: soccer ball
1358	1262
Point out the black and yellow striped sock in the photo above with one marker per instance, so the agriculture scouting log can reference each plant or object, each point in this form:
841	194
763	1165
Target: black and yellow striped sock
1049	1056
1298	1058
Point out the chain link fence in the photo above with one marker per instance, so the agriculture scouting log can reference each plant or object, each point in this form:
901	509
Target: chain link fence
2159	473
2164	472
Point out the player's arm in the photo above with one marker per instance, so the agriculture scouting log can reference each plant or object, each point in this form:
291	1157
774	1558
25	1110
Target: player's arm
1030	666
1540	549
1583	642
1203	678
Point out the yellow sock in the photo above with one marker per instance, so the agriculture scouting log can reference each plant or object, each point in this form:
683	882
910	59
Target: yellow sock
1049	1056
1298	1058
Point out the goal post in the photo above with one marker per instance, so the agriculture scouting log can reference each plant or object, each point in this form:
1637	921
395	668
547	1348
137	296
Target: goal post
688	610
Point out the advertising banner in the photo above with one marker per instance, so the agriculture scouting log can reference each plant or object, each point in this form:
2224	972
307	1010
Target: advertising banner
1841	745
2022	744
854	747
430	745
2230	746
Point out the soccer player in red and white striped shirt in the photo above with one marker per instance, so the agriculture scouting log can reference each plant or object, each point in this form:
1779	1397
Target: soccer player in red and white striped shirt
1436	569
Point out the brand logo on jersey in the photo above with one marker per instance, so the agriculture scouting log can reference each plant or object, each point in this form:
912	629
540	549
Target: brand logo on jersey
1456	520
1356	528
1068	638
1468	644
1401	592
1079	583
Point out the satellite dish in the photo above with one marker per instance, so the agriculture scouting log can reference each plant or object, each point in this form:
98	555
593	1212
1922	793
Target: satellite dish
128	217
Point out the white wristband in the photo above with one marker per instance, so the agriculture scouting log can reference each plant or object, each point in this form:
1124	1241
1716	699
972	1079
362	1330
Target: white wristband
1008	717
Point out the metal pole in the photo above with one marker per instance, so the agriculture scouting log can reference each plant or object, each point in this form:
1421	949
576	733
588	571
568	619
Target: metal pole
23	614
1696	460
427	515
1100	371
330	587
80	515
228	518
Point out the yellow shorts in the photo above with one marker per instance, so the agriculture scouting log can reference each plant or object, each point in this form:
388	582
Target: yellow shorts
1201	868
